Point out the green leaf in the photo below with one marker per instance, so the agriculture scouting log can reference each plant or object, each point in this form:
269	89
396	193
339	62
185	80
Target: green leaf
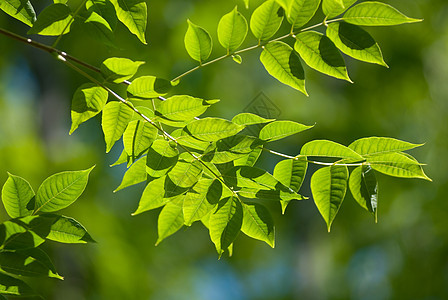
198	42
266	20
328	186
133	14
398	165
299	12
18	197
291	172
88	101
372	13
319	52
135	174
183	176
355	42
116	69
153	196
60	190
333	8
186	140
22	10
55	20
68	230
162	156
232	30
225	223
201	200
99	29
250	159
14	236
148	87
137	138
237	58
182	108
123	158
231	148
11	286
364	188
105	9
380	145
116	117
212	129
258	223
283	63
246	119
328	149
280	129
171	219
246	3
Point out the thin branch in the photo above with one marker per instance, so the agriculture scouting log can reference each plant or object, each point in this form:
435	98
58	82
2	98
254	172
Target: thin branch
312	161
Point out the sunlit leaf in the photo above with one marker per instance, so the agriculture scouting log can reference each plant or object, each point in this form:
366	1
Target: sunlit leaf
137	138
67	230
280	129
182	107
133	14
162	156
299	12
291	172
372	13
329	185
319	52
231	148
185	139
116	117
99	29
333	8
283	63
237	58
105	9
380	145
60	190
201	200
22	10
212	129
148	87
232	30
55	19
328	149
88	101
258	223
183	176
18	197
250	159
246	119
153	196
364	188
11	286
15	236
398	165
198	42
135	174
266	20
116	69
171	219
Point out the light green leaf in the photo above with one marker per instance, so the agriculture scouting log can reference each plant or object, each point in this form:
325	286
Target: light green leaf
225	223
55	20
15	236
266	20
135	174
183	138
355	42
68	230
153	196
284	196
198	42
283	63
333	8
398	165
170	220
18	197
88	101
246	119
380	145
105	9
201	200
328	186
183	176
328	149
123	158
22	10
231	148
237	58
133	14
250	159
280	129
372	13
299	12
99	29
116	117
182	108
162	157
148	87
232	30
11	286
60	190
258	223
246	2
364	188
291	172
319	52
212	129
137	138
116	69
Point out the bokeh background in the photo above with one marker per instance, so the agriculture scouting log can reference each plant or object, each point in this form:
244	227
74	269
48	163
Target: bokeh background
404	256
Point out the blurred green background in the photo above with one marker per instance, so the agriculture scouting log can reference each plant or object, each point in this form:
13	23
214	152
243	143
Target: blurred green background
404	256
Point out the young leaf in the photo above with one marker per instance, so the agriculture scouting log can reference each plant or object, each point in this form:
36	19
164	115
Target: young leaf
133	14
135	174
372	13
212	129
225	223
333	8
11	286
182	108
22	10
291	172
380	145
355	42
299	12
266	20
328	186
55	19
170	220
232	30
148	87
201	200
247	119
198	42
258	223
162	156
88	101
283	63
319	52
137	138
116	117
17	197
398	165
237	58
364	188
60	190
328	149
280	129
116	69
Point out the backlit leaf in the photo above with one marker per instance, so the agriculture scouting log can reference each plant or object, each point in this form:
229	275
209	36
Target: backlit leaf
398	165
364	188
182	108
231	148
153	196
116	69
266	20
22	10
18	197
201	200
170	220
232	30
99	29
55	19
15	236
250	159
333	8
68	230
258	223
133	14
291	172
162	156
299	12
105	9
328	149
148	87
183	176
212	129
11	286
135	174
116	117
198	42
246	119
380	145
137	138
280	129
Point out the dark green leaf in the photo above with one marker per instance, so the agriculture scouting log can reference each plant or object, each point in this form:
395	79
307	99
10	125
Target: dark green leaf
15	236
11	286
18	197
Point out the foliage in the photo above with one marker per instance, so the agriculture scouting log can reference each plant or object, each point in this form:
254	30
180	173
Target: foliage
203	169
